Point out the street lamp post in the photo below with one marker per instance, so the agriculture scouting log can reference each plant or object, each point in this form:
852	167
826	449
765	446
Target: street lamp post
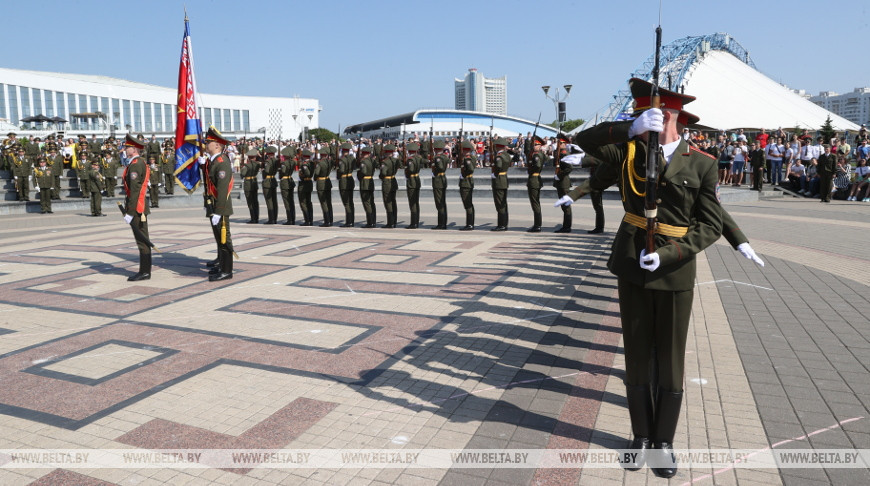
558	101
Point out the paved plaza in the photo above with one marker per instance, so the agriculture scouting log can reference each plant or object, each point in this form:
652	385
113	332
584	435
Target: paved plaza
375	339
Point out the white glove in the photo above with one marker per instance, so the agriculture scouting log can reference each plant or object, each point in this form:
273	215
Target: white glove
649	262
650	120
493	175
15	177
749	253
215	219
128	219
563	201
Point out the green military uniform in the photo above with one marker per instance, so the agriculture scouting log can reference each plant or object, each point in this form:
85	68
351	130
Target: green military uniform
96	185
248	171
167	167
81	165
324	185
55	161
562	183
9	147
135	179
219	173
94	146
412	182
306	187
439	182
153	150
534	165
21	169
389	167
466	183
596	197
32	149
288	185
346	185
270	187
111	164
153	189
365	176
42	174
500	165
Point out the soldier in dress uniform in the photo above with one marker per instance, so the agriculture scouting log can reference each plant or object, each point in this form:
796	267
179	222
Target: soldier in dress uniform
135	179
500	164
94	146
346	185
562	180
42	174
81	164
306	187
96	184
112	162
8	152
248	171
412	182
153	189
167	167
153	150
439	182
220	181
365	176
535	163
270	186
466	182
324	185
389	167
55	163
656	289
288	185
21	168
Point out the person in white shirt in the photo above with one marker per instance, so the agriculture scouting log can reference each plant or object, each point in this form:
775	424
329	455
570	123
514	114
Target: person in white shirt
774	153
738	164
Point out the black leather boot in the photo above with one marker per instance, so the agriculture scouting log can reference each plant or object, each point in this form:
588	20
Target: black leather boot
144	268
640	410
667	414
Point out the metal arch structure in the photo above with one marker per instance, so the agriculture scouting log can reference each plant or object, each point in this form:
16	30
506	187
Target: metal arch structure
677	61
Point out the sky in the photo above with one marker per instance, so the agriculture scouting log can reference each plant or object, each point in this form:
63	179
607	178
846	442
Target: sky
368	60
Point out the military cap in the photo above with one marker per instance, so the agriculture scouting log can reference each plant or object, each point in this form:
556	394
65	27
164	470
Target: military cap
50	146
213	135
466	145
324	151
685	118
306	153
129	141
82	135
19	147
642	89
366	149
288	151
563	137
538	140
252	153
346	146
11	134
389	148
412	146
438	144
501	142
271	149
97	162
37	139
41	159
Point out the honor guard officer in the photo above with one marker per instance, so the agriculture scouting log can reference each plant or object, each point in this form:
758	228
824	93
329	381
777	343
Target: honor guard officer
167	167
365	175
109	167
324	185
562	180
534	165
21	168
412	182
466	182
500	164
439	182
656	289
220	173
42	174
288	185
55	163
135	179
96	185
249	169
346	185
155	181
389	167
270	187
306	187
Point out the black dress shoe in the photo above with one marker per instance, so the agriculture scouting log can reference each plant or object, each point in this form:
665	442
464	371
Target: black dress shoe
251	221
595	231
50	212
411	226
42	212
219	276
390	226
439	227
369	225
563	230
288	223
101	214
325	225
347	225
499	228
467	227
214	270
307	223
534	229
139	276
271	222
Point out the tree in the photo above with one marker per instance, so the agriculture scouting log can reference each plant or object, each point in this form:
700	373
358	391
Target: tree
321	134
827	131
568	125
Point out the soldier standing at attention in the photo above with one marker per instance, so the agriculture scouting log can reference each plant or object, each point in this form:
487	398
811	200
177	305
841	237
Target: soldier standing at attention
306	187
656	289
81	164
167	167
55	162
389	167
365	175
562	180
21	168
107	166
220	174
288	165
500	163
42	174
467	164
135	179
412	182
270	187
155	180
95	185
248	170
346	184
324	185
534	165
153	150
439	182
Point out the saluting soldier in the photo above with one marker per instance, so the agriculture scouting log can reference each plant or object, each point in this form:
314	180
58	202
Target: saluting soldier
95	184
42	174
534	165
365	175
306	187
500	164
655	289
466	182
167	167
270	187
135	180
412	182
324	185
288	185
439	182
220	172
346	184
562	180
389	167
21	168
248	171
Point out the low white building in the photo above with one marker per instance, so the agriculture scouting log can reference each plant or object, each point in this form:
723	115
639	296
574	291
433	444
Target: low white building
104	105
445	123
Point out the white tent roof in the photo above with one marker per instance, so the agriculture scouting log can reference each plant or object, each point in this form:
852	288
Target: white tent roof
731	94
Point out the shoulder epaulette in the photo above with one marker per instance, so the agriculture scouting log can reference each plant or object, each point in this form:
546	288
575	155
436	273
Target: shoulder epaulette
693	148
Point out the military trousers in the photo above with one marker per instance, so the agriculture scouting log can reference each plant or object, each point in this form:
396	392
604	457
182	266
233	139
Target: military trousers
252	191
23	188
467	196
440	195
270	194
168	184
389	195
44	199
598	207
535	202
499	197
289	201
826	186
325	198
140	221
567	216
414	204
347	202
305	190
96	203
368	202
55	189
111	182
154	192
654	319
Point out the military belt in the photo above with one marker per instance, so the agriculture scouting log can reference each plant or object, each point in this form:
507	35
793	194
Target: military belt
346	175
661	228
367	177
306	178
321	178
501	173
270	177
251	177
439	174
413	175
287	177
536	174
389	177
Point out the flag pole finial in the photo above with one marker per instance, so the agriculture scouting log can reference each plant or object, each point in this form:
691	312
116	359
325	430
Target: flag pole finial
185	13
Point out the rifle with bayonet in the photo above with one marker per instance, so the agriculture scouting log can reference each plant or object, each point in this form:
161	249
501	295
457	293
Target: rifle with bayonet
459	143
652	156
534	134
492	145
431	147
